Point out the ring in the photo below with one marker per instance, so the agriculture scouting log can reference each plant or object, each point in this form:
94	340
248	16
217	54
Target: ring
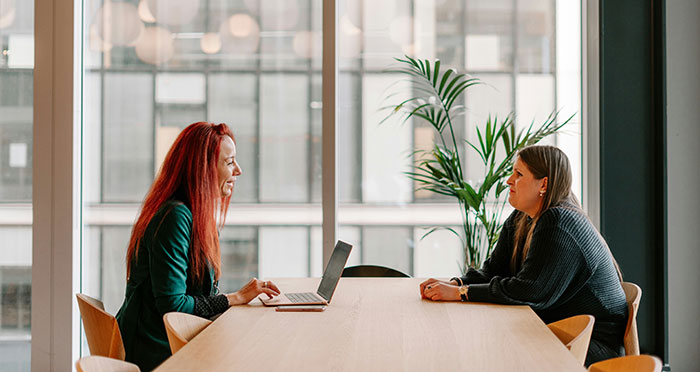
264	284
428	287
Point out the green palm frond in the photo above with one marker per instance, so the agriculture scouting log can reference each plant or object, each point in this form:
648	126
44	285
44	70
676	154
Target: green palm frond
435	93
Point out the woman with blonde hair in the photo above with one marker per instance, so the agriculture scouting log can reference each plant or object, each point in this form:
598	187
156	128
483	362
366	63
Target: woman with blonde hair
549	256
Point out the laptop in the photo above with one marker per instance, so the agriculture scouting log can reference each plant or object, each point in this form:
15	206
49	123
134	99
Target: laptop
328	282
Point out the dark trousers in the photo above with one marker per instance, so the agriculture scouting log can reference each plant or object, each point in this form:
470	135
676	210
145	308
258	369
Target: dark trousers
598	351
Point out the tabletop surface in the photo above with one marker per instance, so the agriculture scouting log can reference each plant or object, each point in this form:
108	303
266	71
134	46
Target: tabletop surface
375	324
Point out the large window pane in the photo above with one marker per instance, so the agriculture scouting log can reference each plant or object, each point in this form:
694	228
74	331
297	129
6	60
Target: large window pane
239	108
256	65
385	148
512	46
284	138
284	251
16	146
239	255
536	36
16	139
150	71
489	39
127	136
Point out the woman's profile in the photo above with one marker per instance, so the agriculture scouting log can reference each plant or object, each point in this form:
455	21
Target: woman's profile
173	259
549	256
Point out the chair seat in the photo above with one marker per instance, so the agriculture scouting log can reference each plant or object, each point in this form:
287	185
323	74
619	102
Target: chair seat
95	363
575	333
101	328
182	327
630	363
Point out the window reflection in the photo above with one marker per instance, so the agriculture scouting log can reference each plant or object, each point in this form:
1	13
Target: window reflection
256	65
16	146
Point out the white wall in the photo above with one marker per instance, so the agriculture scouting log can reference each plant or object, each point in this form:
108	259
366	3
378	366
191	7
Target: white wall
683	86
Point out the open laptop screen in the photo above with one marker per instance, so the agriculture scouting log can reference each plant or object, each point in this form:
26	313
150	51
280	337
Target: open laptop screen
334	269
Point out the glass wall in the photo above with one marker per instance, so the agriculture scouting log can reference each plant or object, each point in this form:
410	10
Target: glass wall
512	46
16	105
151	67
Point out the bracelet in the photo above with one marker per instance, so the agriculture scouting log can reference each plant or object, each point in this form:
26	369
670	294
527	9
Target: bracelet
459	281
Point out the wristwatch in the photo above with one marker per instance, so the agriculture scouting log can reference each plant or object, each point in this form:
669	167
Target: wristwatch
463	292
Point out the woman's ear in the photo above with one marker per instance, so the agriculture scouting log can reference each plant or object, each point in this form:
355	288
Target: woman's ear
543	186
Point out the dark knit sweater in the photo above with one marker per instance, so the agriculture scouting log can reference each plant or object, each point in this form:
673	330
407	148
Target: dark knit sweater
567	271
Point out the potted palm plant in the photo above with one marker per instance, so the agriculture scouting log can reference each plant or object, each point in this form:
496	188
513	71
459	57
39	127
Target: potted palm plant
440	169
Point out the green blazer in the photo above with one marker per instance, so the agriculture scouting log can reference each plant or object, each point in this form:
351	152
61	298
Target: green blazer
160	282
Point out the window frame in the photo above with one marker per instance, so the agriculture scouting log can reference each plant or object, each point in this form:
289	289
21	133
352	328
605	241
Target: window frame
57	195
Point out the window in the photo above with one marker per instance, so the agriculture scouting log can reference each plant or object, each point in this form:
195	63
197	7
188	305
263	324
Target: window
148	71
16	105
512	46
254	65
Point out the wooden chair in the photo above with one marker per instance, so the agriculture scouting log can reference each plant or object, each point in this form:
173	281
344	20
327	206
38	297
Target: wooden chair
94	363
101	328
181	328
372	271
633	294
575	333
630	363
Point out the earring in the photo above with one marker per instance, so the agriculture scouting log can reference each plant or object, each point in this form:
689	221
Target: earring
541	194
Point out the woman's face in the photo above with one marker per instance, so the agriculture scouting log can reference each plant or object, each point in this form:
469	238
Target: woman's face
228	167
525	189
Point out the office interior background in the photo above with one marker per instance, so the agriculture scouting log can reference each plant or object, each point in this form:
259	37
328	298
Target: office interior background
256	65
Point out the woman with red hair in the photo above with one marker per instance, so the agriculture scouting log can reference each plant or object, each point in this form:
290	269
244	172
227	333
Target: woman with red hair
173	261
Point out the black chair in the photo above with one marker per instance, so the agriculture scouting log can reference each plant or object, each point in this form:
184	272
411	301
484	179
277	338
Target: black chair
372	271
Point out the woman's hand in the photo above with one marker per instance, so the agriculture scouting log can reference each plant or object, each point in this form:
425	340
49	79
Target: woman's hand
251	290
439	290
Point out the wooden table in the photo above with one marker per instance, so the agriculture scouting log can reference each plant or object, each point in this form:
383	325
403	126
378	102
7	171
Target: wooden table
376	324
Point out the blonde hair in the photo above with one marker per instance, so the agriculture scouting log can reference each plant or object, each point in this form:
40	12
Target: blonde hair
550	162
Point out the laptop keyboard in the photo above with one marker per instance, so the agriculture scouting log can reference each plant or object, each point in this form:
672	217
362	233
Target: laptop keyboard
302	297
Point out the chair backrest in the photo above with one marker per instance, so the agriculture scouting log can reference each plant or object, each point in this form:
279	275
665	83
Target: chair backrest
630	363
181	328
94	363
575	333
101	328
633	294
372	271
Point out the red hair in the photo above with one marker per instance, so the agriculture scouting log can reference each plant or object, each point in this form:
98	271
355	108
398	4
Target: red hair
189	174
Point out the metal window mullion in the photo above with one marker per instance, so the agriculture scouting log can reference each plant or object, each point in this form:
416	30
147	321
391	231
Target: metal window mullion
554	68
258	117
310	125
514	59
207	64
359	120
414	123
329	136
310	113
154	117
103	164
56	185
590	51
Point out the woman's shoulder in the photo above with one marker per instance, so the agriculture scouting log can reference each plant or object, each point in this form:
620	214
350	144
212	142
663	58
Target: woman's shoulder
510	221
571	222
176	208
563	215
173	214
